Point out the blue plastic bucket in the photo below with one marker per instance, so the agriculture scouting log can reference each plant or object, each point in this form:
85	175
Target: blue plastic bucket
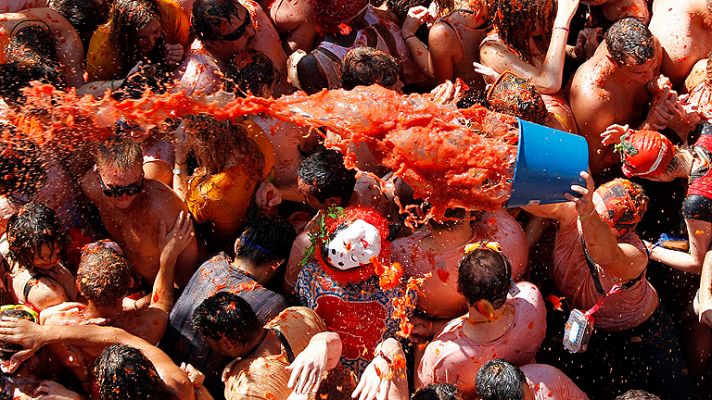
549	161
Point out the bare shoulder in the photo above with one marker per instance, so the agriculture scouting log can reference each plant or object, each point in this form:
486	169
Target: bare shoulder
163	200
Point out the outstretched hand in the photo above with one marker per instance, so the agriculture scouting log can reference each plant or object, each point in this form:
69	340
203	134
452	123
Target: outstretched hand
24	333
375	382
584	204
308	368
174	242
417	16
613	134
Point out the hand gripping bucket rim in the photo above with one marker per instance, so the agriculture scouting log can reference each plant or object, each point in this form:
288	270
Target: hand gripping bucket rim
548	162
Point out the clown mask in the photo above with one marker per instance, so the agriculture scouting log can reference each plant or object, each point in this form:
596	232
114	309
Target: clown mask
354	245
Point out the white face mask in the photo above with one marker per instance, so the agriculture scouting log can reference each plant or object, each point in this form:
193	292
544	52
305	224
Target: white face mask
354	246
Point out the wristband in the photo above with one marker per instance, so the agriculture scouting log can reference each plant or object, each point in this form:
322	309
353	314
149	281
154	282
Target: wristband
562	27
406	38
177	171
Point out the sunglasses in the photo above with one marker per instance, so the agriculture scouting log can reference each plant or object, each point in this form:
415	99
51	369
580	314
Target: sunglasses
238	33
118	191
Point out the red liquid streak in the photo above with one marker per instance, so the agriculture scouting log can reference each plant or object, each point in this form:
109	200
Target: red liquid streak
450	157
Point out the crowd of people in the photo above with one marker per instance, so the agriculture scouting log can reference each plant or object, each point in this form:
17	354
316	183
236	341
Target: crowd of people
242	259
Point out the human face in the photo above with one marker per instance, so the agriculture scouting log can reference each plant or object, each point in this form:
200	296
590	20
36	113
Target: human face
120	188
47	257
224	347
147	36
233	34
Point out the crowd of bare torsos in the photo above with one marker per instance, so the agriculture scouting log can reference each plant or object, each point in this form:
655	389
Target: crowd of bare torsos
625	67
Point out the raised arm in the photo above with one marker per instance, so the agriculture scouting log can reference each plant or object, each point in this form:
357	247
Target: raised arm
548	78
704	310
622	260
321	355
32	336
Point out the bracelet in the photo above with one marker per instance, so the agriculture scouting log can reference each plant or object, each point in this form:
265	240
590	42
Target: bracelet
406	38
177	171
562	27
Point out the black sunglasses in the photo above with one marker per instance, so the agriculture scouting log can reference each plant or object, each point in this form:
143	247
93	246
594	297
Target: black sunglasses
238	33
118	191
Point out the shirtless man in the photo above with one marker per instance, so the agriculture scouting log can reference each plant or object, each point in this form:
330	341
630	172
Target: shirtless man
684	29
103	280
68	45
133	209
612	88
223	27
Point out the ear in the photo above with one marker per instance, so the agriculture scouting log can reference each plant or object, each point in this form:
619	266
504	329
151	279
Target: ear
237	244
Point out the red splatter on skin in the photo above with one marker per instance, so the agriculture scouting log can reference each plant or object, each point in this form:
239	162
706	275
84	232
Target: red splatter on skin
156	298
531	325
411	135
443	275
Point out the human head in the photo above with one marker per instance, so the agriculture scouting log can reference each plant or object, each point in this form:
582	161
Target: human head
338	384
228	324
515	96
265	243
135	30
500	380
21	170
114	382
14	311
354	245
218	144
224	26
250	71
324	180
631	45
33	43
35	236
620	203
119	162
517	22
484	276
103	276
437	391
84	15
637	395
366	66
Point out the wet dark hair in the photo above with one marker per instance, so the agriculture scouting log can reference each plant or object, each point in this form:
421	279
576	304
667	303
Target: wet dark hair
266	239
517	20
33	226
84	15
31	57
20	167
226	315
119	152
401	7
205	11
103	275
628	38
366	66
249	70
9	349
123	372
515	96
637	395
338	384
437	391
217	143
484	274
500	380
126	19
325	174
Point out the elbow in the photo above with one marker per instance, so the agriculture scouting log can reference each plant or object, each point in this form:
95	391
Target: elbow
549	86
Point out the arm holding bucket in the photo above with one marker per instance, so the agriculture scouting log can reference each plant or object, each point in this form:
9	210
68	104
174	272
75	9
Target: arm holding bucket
622	260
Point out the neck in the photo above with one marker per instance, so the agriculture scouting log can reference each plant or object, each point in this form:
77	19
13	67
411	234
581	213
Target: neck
265	344
482	330
250	268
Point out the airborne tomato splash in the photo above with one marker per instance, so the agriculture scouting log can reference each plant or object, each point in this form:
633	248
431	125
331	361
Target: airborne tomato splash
450	157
